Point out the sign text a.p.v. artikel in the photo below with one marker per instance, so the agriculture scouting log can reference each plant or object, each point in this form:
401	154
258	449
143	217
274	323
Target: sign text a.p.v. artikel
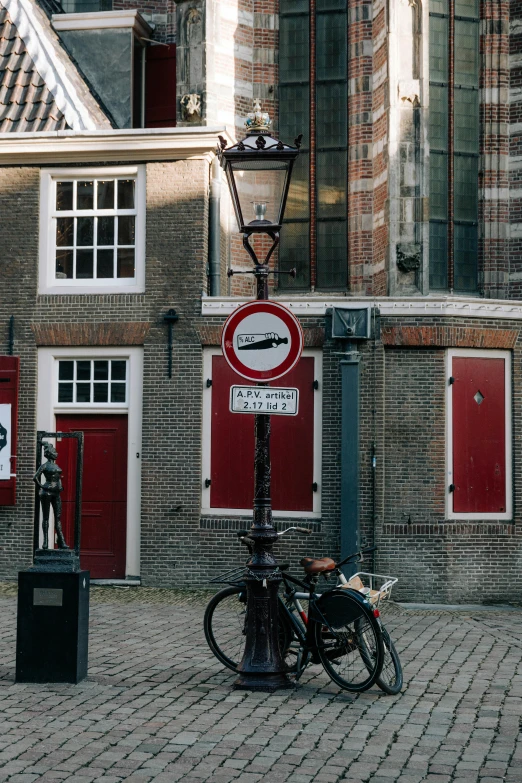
259	399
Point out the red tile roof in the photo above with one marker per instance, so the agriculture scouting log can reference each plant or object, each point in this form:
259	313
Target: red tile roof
26	103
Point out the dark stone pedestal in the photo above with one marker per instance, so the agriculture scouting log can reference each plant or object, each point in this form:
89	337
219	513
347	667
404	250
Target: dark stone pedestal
52	627
53	560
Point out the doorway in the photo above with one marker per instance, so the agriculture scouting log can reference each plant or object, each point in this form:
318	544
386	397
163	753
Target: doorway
104	490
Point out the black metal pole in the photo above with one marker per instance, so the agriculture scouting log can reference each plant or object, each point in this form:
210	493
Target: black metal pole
262	667
350	456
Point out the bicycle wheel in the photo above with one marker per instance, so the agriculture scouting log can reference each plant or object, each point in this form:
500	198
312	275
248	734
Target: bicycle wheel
224	624
390	679
349	641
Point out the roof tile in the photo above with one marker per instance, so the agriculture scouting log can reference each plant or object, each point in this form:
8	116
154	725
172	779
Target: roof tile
26	103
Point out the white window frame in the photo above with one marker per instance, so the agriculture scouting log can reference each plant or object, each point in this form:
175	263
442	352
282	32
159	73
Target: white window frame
48	408
479	354
206	509
48	283
113	407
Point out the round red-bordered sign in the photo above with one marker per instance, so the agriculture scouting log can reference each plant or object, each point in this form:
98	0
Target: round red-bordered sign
262	340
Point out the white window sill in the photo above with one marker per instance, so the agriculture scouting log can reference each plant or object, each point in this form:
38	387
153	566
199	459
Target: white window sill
245	512
71	290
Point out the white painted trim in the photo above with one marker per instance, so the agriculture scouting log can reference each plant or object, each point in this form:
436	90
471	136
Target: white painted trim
103	20
206	510
429	306
47	409
506	355
47	283
42	51
134	144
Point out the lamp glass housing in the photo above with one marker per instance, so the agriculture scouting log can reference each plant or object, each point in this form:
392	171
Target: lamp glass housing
260	186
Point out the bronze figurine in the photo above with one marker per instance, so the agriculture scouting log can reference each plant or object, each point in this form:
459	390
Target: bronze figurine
49	493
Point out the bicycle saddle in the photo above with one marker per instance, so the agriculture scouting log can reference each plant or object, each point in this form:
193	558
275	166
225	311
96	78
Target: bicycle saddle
318	566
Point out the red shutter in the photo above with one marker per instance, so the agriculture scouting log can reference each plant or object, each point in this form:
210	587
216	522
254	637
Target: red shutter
291	444
479	435
9	381
160	87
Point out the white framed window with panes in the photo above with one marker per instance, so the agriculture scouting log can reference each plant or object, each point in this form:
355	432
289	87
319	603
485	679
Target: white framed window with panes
93	382
92	230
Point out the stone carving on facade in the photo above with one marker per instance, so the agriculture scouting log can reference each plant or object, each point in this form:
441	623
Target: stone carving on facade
191	107
408	258
409	92
193	16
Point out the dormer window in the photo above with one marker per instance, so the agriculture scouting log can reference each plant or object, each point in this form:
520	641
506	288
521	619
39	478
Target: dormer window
110	47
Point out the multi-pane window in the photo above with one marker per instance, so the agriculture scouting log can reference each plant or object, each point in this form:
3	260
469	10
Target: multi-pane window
454	144
94	223
92	381
315	74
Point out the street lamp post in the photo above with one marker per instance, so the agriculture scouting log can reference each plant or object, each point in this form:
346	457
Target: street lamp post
258	171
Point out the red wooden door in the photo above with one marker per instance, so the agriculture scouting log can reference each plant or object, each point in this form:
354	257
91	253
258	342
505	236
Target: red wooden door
104	491
291	444
479	435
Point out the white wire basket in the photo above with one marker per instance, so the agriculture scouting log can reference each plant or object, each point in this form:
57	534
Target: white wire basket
375	587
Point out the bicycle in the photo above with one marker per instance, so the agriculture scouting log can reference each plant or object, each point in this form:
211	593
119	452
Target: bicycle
341	630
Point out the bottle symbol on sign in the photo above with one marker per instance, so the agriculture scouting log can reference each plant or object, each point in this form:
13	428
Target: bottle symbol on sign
257	342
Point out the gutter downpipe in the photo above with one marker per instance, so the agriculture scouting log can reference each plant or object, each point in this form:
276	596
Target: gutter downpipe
350	449
214	248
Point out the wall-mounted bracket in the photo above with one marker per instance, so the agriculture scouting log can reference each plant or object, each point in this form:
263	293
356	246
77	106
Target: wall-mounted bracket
170	319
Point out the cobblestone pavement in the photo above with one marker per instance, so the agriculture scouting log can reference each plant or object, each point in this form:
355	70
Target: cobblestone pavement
158	707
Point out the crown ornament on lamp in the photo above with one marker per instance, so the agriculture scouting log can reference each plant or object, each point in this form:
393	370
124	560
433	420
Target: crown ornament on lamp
258	121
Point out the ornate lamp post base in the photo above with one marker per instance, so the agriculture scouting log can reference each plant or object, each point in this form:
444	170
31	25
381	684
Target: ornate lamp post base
262	667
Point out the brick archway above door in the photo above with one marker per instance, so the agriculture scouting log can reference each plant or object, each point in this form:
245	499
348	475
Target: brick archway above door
448	337
91	334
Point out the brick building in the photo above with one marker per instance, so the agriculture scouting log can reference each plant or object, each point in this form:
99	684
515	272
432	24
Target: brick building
402	222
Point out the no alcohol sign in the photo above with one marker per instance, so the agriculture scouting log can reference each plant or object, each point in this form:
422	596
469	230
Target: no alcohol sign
262	340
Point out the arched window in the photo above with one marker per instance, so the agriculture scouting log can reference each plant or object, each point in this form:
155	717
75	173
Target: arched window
313	100
454	144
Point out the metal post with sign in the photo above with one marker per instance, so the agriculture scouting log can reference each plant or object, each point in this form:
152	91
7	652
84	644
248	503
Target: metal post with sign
262	341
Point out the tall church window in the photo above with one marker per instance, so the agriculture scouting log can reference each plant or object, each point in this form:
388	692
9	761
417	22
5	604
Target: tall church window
454	144
313	100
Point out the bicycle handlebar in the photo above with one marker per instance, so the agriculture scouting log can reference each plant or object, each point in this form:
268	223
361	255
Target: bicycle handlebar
359	554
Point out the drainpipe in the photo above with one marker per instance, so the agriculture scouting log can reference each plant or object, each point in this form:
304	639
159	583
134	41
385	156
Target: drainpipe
350	449
214	255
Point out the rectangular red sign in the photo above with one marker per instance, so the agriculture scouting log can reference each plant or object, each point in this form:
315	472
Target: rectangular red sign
9	383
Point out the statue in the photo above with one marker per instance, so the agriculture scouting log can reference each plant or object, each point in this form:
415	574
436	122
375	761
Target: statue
191	107
49	493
